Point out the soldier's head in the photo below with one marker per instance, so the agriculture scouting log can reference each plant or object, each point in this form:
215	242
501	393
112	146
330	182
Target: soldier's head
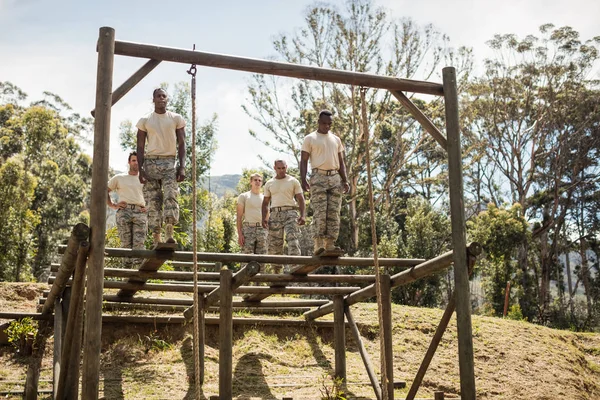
256	181
280	167
160	98
325	121
132	161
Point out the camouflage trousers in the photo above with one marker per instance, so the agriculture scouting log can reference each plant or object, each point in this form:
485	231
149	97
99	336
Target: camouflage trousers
326	203
283	223
132	225
160	192
255	240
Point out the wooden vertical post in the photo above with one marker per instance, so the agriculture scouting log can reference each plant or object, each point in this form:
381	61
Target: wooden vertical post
68	381
386	331
226	337
438	396
93	309
339	343
459	239
58	335
201	335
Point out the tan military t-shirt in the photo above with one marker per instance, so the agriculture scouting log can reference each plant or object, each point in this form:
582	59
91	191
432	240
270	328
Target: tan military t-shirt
129	189
160	129
252	206
282	191
324	149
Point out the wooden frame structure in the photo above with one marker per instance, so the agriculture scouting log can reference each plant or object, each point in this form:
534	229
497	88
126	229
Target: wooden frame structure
463	255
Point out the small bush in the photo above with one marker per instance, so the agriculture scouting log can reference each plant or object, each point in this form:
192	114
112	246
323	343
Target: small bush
21	334
332	388
515	313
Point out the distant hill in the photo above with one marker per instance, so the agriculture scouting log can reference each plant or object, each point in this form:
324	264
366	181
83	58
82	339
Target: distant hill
221	184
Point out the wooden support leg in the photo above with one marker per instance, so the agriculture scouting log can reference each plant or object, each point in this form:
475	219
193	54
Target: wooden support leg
386	331
339	330
364	355
58	335
201	335
226	337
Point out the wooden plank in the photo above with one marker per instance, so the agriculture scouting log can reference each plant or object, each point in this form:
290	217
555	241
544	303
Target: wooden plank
164	251
93	309
238	304
58	336
339	338
132	81
226	336
459	238
80	233
425	122
35	361
363	354
186	256
201	336
275	68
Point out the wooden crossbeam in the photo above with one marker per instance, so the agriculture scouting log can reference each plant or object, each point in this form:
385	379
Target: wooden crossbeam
164	251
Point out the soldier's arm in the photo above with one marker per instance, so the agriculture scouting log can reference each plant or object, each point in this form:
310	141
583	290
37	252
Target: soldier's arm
141	145
180	132
301	206
240	215
265	211
304	156
345	183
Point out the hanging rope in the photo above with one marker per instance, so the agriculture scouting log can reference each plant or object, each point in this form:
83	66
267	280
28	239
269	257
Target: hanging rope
365	128
196	339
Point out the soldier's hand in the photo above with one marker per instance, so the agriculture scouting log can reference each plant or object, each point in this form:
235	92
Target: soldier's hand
305	185
301	220
241	239
346	187
265	224
180	174
121	205
142	176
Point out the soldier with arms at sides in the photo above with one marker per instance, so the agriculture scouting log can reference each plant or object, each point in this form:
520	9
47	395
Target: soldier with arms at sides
161	156
285	202
327	181
252	236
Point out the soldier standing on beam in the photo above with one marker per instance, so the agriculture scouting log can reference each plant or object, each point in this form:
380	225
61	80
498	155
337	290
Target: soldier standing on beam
252	236
327	181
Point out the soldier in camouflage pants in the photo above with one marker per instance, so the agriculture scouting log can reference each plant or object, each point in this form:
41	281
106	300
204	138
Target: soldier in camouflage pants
132	215
160	191
280	223
132	225
326	202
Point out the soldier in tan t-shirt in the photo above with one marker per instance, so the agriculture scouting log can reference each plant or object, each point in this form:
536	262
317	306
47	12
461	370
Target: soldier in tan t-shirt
252	236
160	144
283	194
327	181
132	216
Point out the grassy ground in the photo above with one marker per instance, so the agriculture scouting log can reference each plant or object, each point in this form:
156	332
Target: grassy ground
513	360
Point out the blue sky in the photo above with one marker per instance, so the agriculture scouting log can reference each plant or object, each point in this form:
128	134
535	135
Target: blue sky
50	46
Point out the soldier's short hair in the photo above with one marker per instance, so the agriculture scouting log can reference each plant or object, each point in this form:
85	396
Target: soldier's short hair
281	161
158	90
325	112
133	153
255	175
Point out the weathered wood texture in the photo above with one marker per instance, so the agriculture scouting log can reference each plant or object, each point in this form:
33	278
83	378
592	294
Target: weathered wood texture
80	233
131	82
240	277
226	336
387	365
363	354
421	118
459	238
186	256
164	251
68	382
275	68
402	278
93	310
339	338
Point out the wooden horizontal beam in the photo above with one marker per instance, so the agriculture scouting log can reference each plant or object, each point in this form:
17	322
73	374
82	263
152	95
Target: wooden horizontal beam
262	258
177	319
110	306
278	68
168	287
